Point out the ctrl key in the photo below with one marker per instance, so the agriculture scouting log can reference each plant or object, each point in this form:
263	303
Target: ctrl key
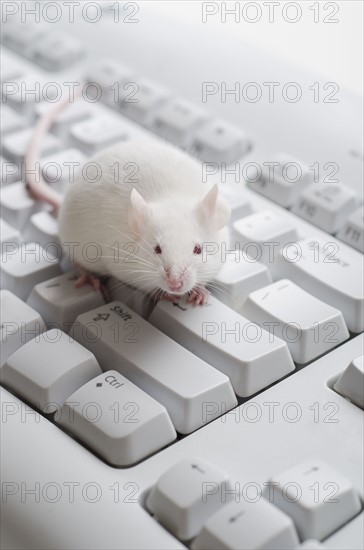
117	419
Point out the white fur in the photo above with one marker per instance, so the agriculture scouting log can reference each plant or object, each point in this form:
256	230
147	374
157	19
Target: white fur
113	235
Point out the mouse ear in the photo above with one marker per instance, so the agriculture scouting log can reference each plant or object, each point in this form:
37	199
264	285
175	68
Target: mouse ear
137	212
213	209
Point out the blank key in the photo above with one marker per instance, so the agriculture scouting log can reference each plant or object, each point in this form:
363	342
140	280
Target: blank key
247	526
310	327
117	419
247	354
97	133
187	494
15	145
263	234
25	266
351	382
48	369
218	141
318	498
330	271
19	324
283	178
59	301
237	279
183	383
17	205
176	119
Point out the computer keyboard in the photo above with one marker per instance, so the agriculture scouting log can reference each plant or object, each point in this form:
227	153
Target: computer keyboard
137	424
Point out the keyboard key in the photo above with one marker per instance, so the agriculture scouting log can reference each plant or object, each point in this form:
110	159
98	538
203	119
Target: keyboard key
282	179
79	110
61	169
117	419
310	545
42	228
175	121
237	279
15	145
26	266
218	141
97	133
238	202
239	525
8	235
352	232
10	171
11	68
48	369
22	37
132	297
59	301
11	120
248	355
123	341
310	327
318	498
16	205
140	99
19	324
326	205
262	235
331	272
187	494
23	94
351	382
110	77
56	51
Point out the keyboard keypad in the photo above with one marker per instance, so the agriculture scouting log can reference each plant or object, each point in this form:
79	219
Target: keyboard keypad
117	419
48	369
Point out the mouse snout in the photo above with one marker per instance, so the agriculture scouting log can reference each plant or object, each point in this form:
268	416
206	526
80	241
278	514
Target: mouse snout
175	280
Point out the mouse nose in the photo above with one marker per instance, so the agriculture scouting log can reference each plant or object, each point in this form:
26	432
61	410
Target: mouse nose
175	284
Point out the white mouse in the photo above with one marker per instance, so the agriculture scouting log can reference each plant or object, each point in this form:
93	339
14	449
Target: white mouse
149	220
160	229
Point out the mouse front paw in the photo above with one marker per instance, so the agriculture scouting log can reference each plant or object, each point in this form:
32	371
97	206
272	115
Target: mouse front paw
198	296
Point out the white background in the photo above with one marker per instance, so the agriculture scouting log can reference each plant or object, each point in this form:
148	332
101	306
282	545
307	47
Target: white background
334	50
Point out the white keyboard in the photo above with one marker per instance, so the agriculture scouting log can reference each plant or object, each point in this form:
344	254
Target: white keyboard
235	425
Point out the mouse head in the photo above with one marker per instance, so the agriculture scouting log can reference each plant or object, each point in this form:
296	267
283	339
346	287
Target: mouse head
179	241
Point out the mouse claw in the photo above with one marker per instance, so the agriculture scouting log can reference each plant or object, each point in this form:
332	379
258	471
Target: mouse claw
198	296
87	278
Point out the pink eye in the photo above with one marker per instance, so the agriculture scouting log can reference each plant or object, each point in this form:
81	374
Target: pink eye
157	249
197	249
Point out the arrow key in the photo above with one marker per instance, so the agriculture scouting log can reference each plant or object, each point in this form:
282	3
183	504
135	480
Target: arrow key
187	494
239	525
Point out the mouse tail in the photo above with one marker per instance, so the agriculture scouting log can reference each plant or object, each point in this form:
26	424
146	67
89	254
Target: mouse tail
36	186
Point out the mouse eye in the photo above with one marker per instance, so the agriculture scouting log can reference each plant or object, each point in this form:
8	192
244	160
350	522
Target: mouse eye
157	249
197	249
